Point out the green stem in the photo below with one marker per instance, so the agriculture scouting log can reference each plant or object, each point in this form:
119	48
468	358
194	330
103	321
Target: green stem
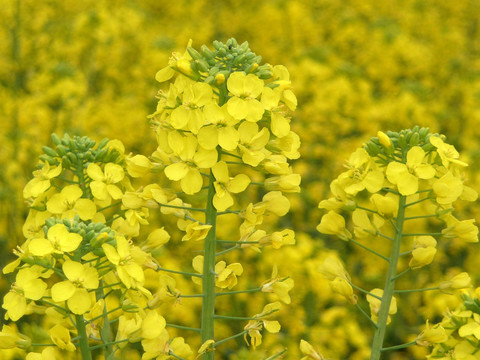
388	291
82	332
240	291
398	347
105	331
179	272
421	217
363	290
370	250
277	355
208	308
366	315
417	290
422	234
227	250
402	273
181	207
182	327
231	337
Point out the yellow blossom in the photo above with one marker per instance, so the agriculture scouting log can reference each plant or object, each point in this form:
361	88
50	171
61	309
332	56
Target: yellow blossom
59	240
81	278
104	181
334	224
375	304
432	335
225	185
60	335
245	90
41	181
68	203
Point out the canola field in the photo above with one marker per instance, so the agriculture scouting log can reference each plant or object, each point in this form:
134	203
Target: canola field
239	179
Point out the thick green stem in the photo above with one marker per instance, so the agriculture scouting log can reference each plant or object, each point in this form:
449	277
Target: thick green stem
82	332
389	289
106	331
208	308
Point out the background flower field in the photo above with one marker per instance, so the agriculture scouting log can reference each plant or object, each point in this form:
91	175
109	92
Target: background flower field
357	67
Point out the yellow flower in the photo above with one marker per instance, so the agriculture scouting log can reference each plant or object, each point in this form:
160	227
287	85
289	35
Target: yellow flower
46	354
461	229
252	143
152	325
459	281
181	62
278	286
59	240
189	158
386	206
41	181
138	165
341	286
447	189
245	90
68	203
308	350
226	276
423	251
254	326
362	174
61	337
286	183
448	154
81	278
130	273
103	182
376	303
406	176
207	346
432	335
189	115
219	129
224	185
280	123
276	203
27	286
334	224
363	226
196	231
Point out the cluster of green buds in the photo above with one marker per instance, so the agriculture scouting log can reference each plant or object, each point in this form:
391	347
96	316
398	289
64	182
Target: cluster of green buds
459	331
223	130
215	66
394	189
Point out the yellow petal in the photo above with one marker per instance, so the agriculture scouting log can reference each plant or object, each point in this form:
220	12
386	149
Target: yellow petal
95	172
176	171
272	326
85	208
220	171
63	290
192	182
40	247
80	302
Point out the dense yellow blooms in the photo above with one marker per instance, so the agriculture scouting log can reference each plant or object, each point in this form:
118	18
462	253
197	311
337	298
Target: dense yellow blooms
356	67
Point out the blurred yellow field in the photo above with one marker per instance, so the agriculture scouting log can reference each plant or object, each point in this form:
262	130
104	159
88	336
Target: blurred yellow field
208	138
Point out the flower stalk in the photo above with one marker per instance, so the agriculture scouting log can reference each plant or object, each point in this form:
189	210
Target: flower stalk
389	288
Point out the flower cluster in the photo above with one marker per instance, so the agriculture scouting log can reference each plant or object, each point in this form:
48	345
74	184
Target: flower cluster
459	334
397	178
78	255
